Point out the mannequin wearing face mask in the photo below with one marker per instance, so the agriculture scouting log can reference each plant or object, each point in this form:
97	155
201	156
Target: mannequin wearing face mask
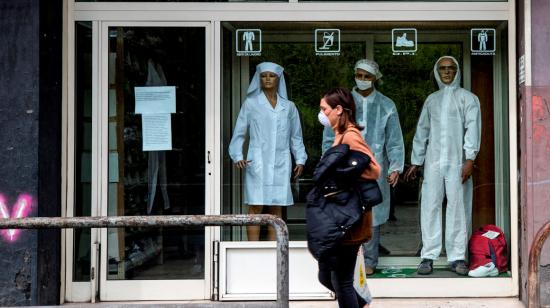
378	115
364	86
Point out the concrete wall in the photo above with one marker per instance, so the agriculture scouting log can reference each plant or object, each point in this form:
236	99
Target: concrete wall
29	131
534	101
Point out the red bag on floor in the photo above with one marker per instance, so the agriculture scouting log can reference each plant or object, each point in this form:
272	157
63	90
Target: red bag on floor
488	244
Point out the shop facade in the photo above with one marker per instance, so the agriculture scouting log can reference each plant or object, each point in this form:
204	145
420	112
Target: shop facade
120	155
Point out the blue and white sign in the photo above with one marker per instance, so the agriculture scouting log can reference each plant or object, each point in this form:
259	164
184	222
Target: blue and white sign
483	41
248	42
327	42
404	41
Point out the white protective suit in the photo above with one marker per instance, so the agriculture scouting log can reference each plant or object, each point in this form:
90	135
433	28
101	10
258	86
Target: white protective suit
274	134
382	132
447	134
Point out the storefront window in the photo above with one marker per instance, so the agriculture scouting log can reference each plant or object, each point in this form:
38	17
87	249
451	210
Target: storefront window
319	56
156	149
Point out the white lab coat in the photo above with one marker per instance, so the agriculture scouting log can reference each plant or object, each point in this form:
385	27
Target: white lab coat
447	134
275	134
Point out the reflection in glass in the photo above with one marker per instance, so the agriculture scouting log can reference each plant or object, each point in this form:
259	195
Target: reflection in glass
83	147
167	182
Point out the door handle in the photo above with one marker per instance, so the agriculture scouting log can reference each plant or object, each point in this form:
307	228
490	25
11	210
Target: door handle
208	157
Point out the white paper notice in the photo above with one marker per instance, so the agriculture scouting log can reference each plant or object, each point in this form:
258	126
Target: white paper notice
491	234
157	132
155	100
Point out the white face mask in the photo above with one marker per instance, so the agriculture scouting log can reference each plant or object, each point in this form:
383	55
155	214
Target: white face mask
323	119
363	84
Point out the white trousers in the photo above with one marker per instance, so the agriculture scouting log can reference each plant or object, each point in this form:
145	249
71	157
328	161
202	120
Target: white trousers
438	183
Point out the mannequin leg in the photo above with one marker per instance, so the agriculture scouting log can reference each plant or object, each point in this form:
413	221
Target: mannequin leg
253	232
277	211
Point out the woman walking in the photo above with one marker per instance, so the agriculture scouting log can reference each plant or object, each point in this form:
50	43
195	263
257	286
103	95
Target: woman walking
339	208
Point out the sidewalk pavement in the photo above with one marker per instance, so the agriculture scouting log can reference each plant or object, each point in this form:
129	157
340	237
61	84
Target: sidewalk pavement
377	303
427	303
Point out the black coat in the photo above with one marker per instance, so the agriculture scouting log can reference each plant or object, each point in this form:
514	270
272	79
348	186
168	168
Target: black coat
339	197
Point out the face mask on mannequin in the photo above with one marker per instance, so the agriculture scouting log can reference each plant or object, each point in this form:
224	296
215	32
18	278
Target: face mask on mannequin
363	84
323	119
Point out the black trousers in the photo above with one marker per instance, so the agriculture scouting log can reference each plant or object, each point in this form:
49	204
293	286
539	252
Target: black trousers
336	273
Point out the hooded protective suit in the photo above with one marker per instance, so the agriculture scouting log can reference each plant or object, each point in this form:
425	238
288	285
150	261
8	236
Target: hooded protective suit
274	133
448	133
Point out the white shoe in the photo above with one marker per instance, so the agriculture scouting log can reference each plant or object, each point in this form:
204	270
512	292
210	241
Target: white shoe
488	269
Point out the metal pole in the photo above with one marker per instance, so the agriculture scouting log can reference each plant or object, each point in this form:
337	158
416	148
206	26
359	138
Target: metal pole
173	221
533	290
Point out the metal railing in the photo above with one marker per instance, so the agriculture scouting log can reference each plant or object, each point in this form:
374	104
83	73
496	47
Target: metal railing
174	221
533	288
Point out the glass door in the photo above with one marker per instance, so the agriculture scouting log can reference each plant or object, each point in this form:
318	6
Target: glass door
154	158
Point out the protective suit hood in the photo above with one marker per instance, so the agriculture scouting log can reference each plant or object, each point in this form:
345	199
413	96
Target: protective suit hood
456	82
255	86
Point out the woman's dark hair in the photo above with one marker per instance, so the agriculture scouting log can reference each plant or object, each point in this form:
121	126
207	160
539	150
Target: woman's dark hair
343	97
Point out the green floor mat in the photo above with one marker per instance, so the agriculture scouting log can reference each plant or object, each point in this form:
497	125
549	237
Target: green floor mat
411	273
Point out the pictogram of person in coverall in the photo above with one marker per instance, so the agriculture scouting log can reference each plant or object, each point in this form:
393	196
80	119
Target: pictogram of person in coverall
272	124
446	143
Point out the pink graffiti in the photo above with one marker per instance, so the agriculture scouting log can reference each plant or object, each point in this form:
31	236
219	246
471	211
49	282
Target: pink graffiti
539	111
539	132
21	209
